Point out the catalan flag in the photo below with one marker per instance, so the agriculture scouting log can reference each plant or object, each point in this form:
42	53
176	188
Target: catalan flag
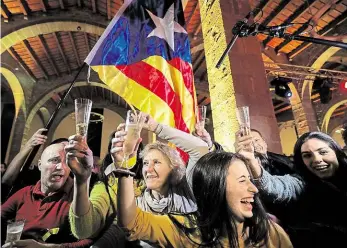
144	56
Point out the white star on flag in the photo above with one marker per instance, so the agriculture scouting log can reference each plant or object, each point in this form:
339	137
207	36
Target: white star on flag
166	27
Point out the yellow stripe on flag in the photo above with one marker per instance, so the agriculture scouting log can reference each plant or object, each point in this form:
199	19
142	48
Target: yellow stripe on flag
175	79
134	93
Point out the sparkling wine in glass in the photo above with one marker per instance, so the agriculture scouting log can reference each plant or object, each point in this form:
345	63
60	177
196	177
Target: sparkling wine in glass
133	134
200	113
242	114
14	230
83	108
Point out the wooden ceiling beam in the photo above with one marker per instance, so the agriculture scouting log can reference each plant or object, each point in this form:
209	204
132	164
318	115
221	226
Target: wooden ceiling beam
94	6
87	41
338	114
299	11
6	14
198	29
283	109
33	56
61	51
108	7
46	51
198	60
280	105
192	13
61	3
19	60
44	7
260	7
74	49
24	8
203	76
275	12
339	21
297	32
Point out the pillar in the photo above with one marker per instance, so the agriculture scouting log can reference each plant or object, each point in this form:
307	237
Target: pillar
241	80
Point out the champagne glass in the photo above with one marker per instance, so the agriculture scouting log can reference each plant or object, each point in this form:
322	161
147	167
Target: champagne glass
200	114
83	108
14	230
133	126
242	114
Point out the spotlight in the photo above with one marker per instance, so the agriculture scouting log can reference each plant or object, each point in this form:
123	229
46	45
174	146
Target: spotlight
343	86
281	87
323	85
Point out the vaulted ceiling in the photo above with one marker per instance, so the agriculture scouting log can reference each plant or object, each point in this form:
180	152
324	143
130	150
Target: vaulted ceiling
53	55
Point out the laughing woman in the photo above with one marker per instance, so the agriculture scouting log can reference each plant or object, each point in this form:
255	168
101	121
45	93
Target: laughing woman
229	212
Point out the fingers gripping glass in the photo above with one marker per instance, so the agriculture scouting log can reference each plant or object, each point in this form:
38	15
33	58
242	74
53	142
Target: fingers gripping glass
133	126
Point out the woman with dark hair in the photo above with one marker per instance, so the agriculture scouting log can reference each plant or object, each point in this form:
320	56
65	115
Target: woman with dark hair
320	213
317	211
229	213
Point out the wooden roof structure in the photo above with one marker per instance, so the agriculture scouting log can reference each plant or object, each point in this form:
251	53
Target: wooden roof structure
52	55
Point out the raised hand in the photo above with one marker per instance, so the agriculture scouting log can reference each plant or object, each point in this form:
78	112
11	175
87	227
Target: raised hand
150	124
79	158
244	146
117	145
203	134
37	139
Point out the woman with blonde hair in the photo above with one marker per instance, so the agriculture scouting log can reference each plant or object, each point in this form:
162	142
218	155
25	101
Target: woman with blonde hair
164	173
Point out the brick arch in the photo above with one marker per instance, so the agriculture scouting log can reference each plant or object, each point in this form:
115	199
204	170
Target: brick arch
17	90
47	96
44	114
317	64
329	112
45	28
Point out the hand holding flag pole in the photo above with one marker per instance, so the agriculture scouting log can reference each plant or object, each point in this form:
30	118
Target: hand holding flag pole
34	151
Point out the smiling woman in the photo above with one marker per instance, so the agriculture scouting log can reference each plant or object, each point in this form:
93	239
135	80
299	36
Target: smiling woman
229	213
167	189
319	216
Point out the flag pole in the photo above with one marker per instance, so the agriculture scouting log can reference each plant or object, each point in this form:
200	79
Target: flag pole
34	151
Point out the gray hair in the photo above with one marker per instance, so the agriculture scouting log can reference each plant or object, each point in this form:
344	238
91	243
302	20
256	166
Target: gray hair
176	162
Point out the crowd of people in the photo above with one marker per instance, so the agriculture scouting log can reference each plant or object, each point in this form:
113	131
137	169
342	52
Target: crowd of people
250	198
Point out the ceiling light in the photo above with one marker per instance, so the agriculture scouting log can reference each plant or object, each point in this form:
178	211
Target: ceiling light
281	87
323	86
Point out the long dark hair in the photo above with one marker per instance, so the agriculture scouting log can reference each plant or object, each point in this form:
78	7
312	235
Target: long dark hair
299	162
214	215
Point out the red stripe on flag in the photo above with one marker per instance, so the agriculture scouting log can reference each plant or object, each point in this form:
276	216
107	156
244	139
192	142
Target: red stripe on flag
187	74
156	82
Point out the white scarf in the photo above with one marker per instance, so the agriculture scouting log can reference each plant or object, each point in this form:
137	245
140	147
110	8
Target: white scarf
180	200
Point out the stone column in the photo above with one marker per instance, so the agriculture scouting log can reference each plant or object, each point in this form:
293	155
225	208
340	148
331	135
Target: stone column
241	80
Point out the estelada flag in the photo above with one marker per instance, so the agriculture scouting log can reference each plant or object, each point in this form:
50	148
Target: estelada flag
144	57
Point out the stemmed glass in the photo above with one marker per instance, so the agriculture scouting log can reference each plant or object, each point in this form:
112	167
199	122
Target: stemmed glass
83	108
200	114
242	114
133	126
